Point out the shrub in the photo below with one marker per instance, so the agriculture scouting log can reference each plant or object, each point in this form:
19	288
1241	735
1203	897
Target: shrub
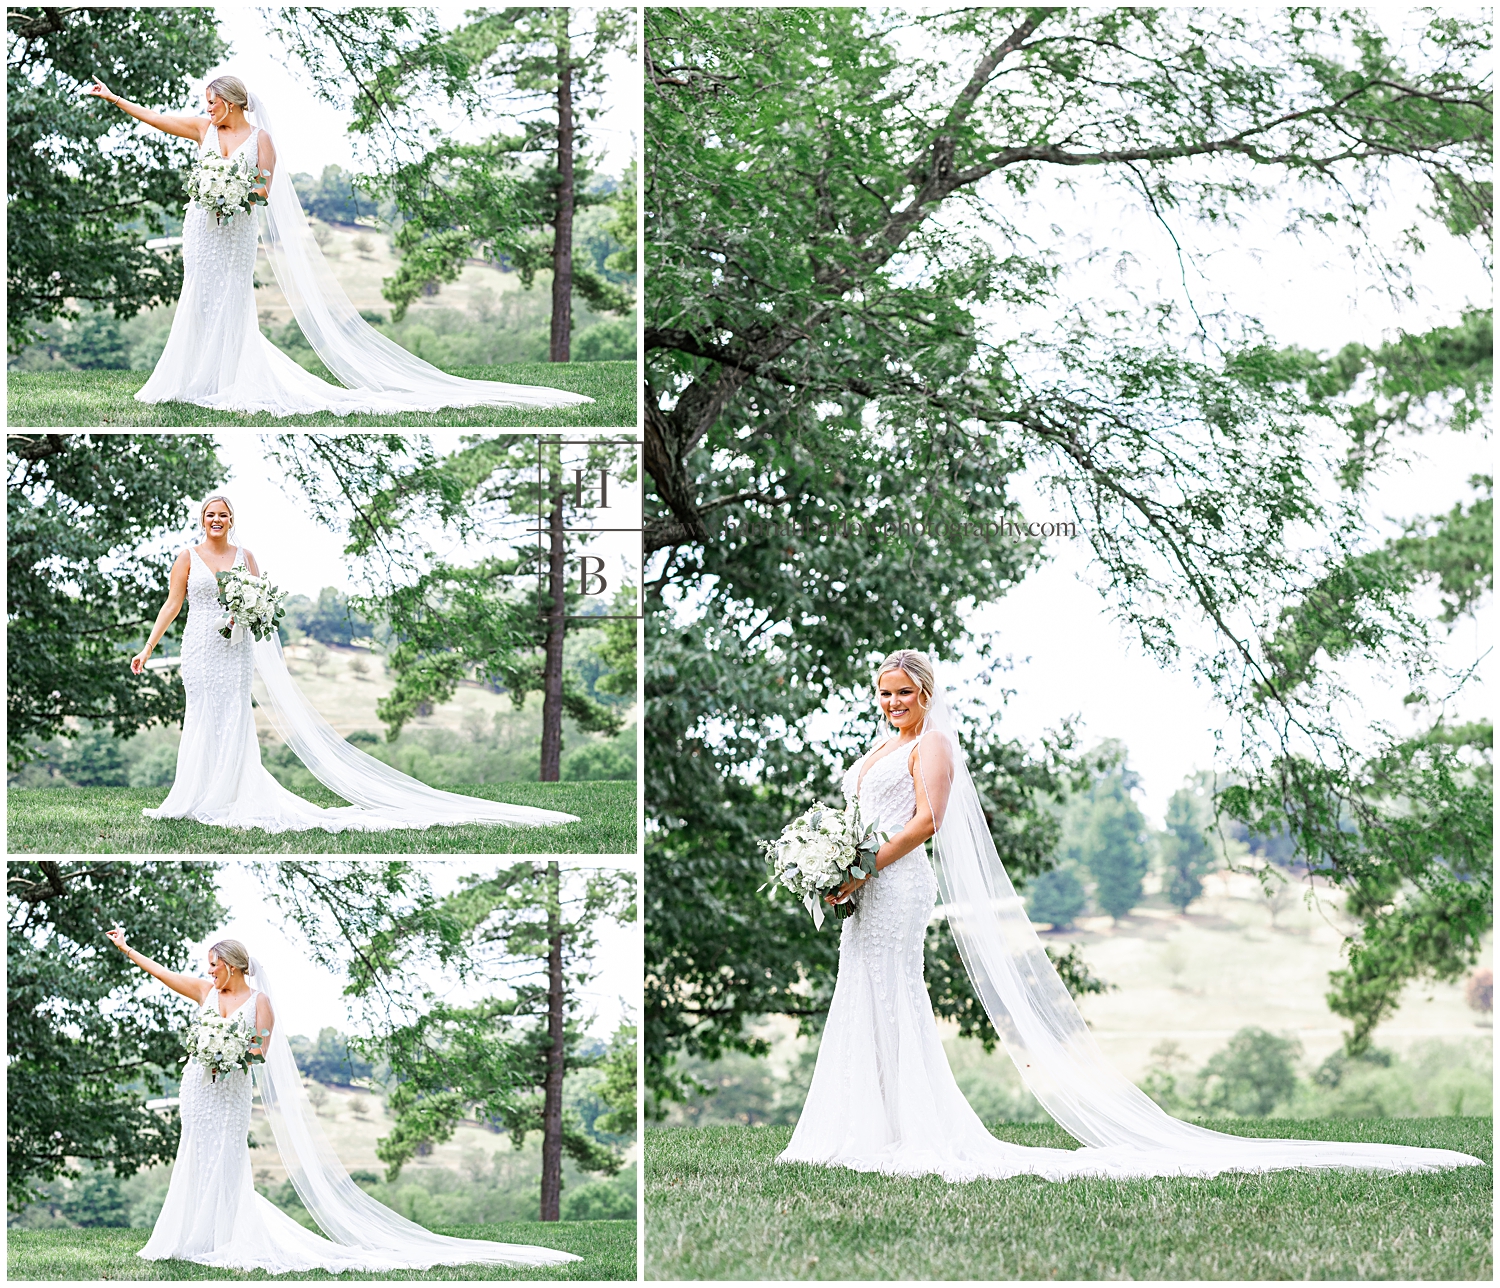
611	1200
605	342
596	762
1057	897
1249	1077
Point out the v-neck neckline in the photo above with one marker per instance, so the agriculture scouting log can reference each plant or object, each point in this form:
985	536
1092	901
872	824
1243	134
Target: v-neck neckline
233	563
224	156
867	769
237	1009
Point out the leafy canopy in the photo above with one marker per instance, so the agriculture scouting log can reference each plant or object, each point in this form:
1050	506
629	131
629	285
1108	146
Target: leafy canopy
90	518
89	1039
87	185
848	328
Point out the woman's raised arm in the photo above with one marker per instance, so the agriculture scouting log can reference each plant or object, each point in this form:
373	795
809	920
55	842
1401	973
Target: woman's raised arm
187	127
176	594
188	985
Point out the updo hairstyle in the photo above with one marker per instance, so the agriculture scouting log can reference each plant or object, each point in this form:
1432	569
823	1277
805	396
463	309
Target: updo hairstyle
232	953
231	89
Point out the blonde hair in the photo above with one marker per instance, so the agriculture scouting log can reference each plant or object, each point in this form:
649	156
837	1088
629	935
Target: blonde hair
917	666
208	501
231	89
232	953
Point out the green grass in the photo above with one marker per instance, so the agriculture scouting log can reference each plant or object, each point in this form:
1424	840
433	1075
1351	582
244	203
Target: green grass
718	1208
108	398
607	1249
107	820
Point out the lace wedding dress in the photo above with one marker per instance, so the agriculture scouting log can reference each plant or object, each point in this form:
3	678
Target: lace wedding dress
217	357
214	1216
883	1098
220	779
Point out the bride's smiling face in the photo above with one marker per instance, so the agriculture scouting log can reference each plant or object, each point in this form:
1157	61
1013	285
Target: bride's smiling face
901	700
218	108
217	521
219	971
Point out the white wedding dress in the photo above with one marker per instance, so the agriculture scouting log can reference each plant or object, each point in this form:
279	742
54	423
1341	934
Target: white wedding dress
220	779
214	1216
883	1098
217	357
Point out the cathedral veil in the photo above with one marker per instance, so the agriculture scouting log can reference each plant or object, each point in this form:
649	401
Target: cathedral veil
354	351
362	780
1045	1035
343	1211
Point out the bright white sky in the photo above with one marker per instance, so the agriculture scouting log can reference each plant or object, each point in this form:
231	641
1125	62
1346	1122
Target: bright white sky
308	998
302	556
321	136
1071	655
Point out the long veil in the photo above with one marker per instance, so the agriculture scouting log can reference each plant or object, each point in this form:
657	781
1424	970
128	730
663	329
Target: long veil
1040	1025
343	1211
350	347
370	784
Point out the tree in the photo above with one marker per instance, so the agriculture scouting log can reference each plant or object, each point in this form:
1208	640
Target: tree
503	1059
504	619
534	921
1251	1076
1185	850
87	1045
330	620
1057	896
620	1085
825	364
329	1059
1114	846
88	186
457	199
87	573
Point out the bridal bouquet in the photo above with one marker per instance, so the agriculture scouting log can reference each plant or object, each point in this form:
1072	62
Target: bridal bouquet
819	851
251	602
224	186
220	1045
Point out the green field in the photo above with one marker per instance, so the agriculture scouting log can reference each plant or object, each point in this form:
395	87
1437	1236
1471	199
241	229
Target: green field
108	398
107	820
607	1249
719	1208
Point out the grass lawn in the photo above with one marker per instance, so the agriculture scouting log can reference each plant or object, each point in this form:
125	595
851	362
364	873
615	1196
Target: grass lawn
607	1249
717	1207
108	398
107	820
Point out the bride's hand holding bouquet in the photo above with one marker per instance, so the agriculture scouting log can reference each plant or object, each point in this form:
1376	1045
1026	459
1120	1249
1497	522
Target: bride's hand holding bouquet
823	856
250	602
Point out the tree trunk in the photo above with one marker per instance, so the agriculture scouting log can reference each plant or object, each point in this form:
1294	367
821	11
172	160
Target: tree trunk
557	625
562	241
552	1097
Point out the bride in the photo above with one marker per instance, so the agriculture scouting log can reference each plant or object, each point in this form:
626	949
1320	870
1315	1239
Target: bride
220	779
213	1214
216	355
883	1098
